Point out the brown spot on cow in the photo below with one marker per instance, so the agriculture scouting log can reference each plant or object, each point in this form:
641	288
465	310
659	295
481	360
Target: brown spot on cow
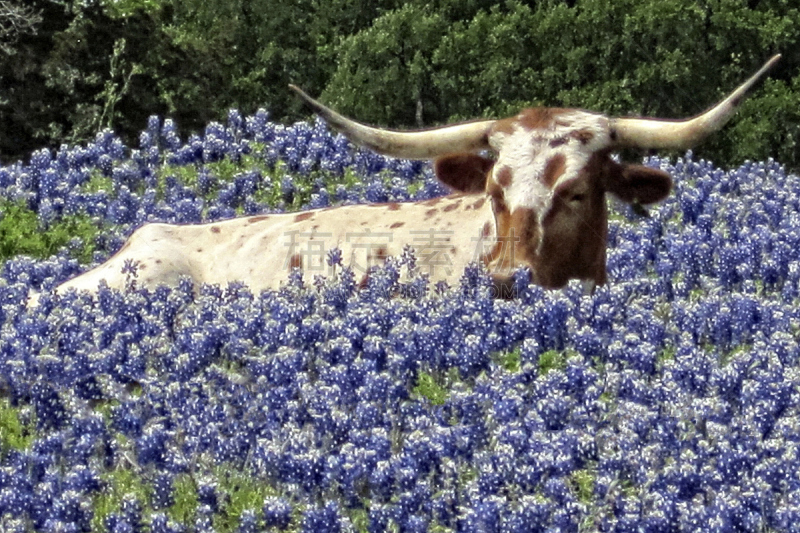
495	192
432	201
504	176
584	135
215	229
517	238
396	225
158	261
453	206
260	218
540	118
393	206
199	250
555	143
554	169
303	216
505	126
381	253
296	261
486	230
430	212
479	203
526	228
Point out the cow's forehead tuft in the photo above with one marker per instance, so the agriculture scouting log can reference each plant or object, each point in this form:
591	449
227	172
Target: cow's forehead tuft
542	149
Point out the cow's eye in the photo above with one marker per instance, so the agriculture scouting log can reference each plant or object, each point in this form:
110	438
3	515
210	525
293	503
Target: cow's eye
577	198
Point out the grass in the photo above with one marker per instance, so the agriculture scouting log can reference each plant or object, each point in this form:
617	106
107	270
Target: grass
184	494
14	434
21	233
428	388
118	484
239	493
583	484
552	360
511	361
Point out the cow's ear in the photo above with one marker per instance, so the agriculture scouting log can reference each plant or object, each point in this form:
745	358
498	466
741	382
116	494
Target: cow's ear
638	184
463	172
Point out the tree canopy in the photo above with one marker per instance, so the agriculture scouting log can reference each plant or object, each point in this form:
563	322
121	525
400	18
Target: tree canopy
80	66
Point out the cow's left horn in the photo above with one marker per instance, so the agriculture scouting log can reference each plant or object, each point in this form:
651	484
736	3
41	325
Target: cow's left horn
681	134
416	144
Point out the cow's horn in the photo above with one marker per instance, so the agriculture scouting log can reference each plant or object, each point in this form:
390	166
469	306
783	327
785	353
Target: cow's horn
414	144
681	134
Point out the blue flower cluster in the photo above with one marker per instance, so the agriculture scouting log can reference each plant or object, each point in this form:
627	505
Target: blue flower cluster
667	401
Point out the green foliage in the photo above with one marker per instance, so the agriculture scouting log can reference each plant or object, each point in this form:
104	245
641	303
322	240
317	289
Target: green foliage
22	234
667	354
116	62
583	483
391	61
119	484
14	434
239	493
658	58
428	388
552	360
120	9
511	361
184	496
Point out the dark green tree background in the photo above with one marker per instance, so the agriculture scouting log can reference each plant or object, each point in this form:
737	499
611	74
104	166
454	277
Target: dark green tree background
94	64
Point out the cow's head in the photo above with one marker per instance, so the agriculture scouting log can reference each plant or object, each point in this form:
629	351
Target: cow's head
548	179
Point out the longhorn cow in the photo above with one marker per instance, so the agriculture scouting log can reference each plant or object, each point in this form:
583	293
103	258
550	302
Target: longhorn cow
539	203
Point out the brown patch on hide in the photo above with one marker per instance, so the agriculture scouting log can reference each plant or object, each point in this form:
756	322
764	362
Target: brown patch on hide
452	206
503	224
479	203
303	216
215	229
530	119
504	177
554	169
573	244
296	261
517	239
396	225
260	218
380	254
430	212
584	135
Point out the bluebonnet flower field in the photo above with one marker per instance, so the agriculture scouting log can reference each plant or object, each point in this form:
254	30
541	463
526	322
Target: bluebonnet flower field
667	401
